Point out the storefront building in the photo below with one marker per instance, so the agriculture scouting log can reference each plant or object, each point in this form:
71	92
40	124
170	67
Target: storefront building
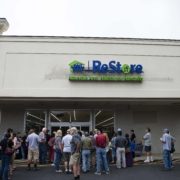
108	83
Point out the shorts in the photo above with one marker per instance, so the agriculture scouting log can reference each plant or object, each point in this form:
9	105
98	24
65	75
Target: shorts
33	154
75	158
147	148
66	156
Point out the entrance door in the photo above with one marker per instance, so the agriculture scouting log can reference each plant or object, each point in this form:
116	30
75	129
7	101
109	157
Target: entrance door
65	119
85	127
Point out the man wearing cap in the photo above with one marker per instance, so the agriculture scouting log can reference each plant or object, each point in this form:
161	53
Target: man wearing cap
120	144
166	145
75	152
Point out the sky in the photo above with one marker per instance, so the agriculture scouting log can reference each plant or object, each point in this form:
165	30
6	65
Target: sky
157	19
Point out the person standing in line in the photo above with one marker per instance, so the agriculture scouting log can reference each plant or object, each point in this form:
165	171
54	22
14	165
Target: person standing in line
173	140
129	157
86	152
147	146
133	142
33	149
58	150
166	140
42	146
75	152
101	158
5	157
120	144
113	147
132	136
93	149
66	146
51	148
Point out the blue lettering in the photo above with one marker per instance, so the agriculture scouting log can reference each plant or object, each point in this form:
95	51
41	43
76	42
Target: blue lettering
133	68
112	67
104	68
118	67
139	69
96	66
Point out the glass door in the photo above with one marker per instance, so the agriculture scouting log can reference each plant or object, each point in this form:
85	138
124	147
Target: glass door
65	119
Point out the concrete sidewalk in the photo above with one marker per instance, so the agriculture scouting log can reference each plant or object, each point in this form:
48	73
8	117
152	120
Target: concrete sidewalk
139	172
137	160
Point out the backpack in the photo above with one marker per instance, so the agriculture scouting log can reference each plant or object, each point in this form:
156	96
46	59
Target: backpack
3	144
172	147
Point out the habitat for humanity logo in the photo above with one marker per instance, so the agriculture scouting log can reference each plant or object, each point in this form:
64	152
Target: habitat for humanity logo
98	71
76	66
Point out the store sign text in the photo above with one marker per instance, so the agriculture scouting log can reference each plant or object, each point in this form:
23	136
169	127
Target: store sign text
111	71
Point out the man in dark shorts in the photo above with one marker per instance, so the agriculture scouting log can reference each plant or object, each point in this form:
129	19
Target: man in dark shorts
75	152
147	145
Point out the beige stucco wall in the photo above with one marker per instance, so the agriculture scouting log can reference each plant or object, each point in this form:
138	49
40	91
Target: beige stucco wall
38	67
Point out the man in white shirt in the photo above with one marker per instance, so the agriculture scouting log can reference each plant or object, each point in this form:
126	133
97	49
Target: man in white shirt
166	145
33	149
66	144
147	145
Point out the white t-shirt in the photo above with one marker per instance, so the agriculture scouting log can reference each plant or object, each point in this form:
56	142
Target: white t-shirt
147	139
42	137
167	139
66	141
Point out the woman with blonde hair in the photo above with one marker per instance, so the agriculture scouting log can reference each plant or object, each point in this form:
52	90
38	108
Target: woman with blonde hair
58	150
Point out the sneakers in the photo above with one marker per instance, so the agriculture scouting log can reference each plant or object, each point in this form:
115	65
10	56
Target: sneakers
97	173
151	159
147	161
77	177
70	171
66	171
59	171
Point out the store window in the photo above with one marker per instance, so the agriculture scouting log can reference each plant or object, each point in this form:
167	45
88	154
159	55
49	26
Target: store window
35	119
104	119
70	116
64	119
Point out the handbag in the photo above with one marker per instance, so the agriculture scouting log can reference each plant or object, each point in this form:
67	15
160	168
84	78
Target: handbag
8	151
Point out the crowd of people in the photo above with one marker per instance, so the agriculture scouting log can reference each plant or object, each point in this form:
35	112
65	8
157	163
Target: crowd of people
78	151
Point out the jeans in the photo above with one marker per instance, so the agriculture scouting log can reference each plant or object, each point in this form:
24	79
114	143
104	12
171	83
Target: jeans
42	153
86	160
5	167
121	159
101	159
167	159
58	155
113	153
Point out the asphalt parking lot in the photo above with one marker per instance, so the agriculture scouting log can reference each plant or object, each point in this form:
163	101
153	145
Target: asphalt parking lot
138	172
